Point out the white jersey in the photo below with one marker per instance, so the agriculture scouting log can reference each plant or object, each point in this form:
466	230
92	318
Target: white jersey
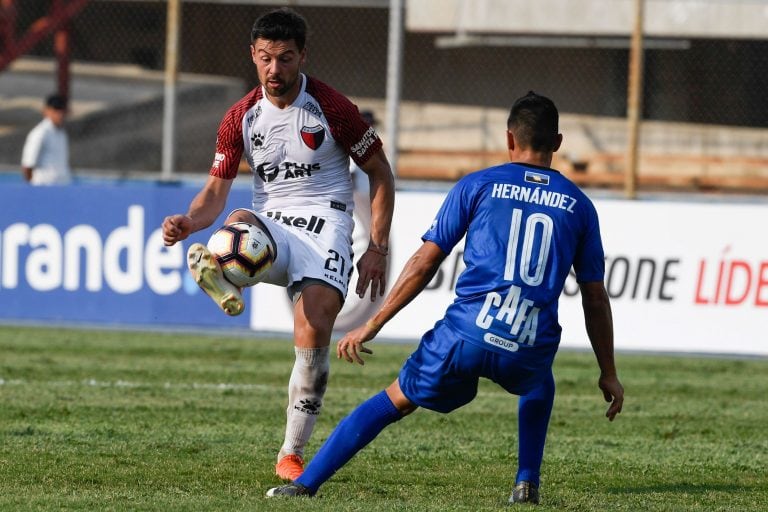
299	155
46	152
302	187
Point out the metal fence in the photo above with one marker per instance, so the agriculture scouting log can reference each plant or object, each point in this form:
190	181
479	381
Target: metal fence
704	110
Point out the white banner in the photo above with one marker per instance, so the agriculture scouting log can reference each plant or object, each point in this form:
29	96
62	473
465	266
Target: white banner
683	277
663	18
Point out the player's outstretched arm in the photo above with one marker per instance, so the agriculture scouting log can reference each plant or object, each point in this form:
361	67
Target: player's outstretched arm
203	211
176	228
599	322
372	267
416	274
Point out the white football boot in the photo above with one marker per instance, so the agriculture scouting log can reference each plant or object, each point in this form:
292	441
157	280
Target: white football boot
207	273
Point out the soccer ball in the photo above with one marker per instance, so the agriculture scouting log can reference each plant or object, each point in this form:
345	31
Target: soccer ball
244	252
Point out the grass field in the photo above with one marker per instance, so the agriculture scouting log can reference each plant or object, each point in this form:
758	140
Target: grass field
106	420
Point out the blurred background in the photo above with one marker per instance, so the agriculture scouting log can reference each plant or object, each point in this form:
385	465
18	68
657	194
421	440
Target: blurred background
441	94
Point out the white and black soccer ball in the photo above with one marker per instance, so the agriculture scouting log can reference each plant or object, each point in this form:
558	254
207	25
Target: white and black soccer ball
244	252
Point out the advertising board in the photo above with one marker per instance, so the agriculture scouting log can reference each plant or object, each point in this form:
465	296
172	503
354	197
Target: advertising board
93	253
682	276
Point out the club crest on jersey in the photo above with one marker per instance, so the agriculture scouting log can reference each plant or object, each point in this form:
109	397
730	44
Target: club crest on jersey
538	179
313	136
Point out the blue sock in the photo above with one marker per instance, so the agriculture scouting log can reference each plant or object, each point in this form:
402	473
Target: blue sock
351	435
534	410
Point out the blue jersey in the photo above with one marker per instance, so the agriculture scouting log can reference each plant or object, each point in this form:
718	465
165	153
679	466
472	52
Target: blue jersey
525	227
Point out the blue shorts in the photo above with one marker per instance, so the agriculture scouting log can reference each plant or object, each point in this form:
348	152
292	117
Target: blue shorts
444	371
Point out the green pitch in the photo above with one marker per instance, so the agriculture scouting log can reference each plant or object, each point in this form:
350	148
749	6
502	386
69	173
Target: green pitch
103	420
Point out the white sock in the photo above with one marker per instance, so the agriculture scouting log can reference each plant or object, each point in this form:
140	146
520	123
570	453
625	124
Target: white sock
306	388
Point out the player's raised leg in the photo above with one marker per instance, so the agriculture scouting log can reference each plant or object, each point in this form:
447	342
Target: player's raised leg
208	275
205	268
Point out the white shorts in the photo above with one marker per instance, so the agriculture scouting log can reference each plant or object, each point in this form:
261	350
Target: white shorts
311	247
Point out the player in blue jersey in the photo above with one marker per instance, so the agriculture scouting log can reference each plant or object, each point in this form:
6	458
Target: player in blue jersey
525	225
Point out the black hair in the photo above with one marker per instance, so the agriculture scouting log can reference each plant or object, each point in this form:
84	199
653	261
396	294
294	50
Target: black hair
56	101
533	121
281	24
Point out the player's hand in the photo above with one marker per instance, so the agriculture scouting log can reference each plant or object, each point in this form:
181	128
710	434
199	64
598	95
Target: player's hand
372	270
613	392
351	345
176	228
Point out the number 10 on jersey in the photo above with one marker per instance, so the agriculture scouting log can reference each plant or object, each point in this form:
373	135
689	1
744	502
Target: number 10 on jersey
520	315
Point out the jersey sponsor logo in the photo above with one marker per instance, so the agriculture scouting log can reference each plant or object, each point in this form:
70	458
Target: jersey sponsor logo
312	108
313	136
266	173
252	116
338	205
369	137
217	159
520	315
291	170
537	178
313	224
500	342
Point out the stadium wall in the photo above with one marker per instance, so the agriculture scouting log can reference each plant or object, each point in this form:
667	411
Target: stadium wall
683	276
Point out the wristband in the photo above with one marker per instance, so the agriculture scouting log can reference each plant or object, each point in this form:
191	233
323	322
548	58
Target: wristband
372	325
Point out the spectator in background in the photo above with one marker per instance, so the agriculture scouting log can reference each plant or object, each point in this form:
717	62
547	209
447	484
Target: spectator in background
45	158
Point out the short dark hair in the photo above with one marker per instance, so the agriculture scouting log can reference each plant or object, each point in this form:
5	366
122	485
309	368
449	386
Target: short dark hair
281	24
56	101
533	121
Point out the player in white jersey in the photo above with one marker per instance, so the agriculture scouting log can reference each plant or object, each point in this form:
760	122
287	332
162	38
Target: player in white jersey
297	135
45	157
